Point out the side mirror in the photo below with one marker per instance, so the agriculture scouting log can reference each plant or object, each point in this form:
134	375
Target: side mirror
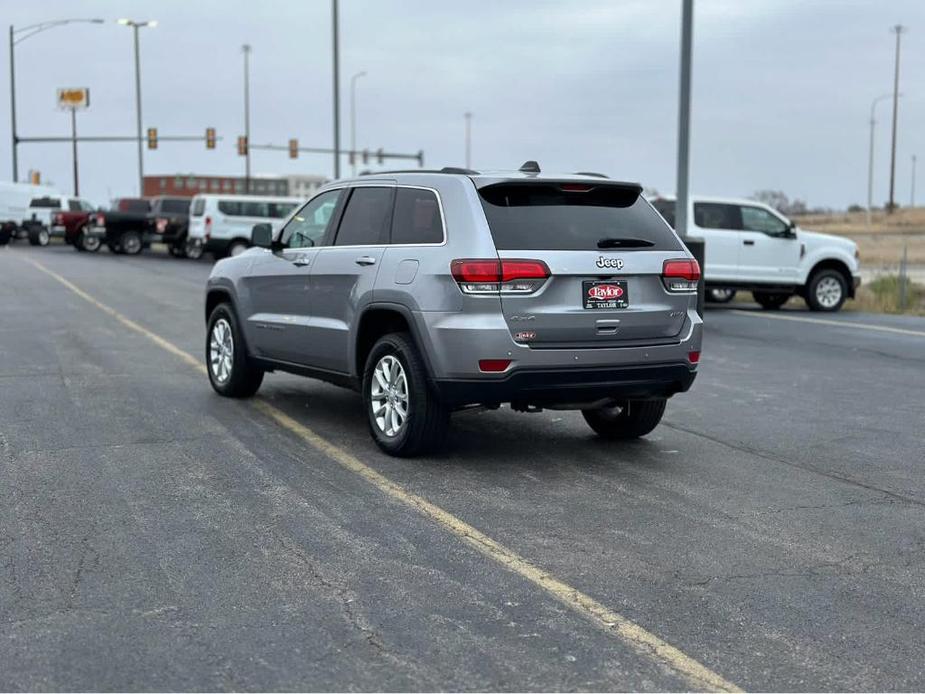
262	235
792	230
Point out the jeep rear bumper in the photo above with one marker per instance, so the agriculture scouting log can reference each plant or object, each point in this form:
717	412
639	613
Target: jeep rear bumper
570	386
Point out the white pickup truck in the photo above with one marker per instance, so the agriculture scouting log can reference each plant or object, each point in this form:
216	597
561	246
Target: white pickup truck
753	247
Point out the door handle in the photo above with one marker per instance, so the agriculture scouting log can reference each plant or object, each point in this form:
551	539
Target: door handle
300	260
749	243
365	260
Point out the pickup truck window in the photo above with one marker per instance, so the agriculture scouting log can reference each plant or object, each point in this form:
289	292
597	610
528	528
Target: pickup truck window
716	215
758	219
133	205
73	205
175	206
46	202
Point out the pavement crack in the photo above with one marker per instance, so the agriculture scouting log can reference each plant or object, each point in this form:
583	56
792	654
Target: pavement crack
799	466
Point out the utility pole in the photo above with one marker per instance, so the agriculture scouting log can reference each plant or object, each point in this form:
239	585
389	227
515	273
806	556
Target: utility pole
336	89
682	193
468	116
13	109
898	30
353	120
246	49
870	156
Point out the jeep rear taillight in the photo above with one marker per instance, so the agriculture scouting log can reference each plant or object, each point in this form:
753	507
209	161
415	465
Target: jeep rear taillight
681	275
494	276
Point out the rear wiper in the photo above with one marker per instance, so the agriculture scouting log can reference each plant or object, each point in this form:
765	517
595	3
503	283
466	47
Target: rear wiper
624	243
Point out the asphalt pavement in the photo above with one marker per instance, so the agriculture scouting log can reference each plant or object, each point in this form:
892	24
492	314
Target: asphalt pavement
154	536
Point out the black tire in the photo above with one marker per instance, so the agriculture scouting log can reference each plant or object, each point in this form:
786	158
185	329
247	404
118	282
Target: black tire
87	242
6	234
193	251
637	418
720	295
39	236
771	301
177	250
245	378
424	427
130	243
826	290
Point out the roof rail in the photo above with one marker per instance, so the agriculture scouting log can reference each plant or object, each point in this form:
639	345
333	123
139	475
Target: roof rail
444	170
530	167
591	173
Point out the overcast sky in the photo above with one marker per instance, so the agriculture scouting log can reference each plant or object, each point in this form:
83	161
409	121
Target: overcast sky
781	88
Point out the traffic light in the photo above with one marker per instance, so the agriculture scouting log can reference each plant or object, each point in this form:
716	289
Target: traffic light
210	138
242	145
152	138
36	177
380	158
293	148
365	156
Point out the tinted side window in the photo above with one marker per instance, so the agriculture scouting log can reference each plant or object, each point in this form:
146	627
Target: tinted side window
255	209
308	226
174	206
758	219
73	205
714	215
198	207
417	217
366	219
230	207
52	203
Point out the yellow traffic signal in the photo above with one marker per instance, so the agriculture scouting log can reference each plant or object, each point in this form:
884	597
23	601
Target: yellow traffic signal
293	148
242	145
36	177
152	138
210	138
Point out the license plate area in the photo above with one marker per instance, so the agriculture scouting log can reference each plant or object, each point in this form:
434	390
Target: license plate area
604	294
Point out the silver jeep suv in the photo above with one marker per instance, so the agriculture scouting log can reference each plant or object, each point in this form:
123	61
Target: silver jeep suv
435	291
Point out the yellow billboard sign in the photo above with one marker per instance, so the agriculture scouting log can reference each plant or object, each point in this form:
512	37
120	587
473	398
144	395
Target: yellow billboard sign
73	97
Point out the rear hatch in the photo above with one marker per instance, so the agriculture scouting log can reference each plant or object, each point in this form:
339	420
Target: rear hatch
605	249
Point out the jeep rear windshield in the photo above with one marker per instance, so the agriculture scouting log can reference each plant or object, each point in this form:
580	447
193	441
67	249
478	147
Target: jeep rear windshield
573	217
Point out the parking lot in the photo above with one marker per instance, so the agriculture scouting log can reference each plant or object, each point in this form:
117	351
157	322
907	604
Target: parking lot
768	535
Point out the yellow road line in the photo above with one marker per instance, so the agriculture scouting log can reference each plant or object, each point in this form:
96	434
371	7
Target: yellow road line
638	638
823	321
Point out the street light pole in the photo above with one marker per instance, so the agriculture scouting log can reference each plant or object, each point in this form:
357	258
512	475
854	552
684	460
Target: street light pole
336	61
135	26
246	49
870	156
912	191
898	30
682	193
353	119
28	31
468	117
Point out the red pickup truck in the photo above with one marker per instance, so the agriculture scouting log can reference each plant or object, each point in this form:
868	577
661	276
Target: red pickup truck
72	223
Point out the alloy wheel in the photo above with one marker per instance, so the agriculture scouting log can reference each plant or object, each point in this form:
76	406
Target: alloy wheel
389	396
828	292
221	351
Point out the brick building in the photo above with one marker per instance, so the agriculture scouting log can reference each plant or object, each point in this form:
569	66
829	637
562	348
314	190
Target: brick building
188	185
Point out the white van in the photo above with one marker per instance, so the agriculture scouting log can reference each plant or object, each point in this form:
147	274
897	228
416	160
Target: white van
221	224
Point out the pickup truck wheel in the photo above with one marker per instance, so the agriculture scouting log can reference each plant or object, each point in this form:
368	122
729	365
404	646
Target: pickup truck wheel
826	291
771	301
193	251
130	243
231	371
177	251
88	242
39	236
405	416
629	421
720	295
